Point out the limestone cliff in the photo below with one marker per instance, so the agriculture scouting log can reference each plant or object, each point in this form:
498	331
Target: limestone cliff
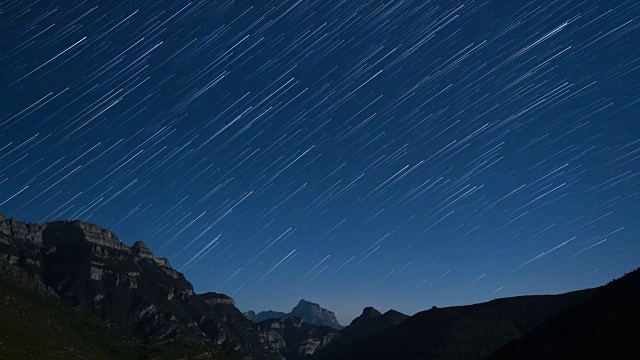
294	337
89	268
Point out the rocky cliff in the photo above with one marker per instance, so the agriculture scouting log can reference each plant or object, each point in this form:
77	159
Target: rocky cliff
294	337
314	314
89	268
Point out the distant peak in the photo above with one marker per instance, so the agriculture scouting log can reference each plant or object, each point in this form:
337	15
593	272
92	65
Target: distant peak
313	313
370	312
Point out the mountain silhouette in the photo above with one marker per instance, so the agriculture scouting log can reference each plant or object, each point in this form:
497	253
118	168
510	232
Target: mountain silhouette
369	323
73	289
460	332
604	326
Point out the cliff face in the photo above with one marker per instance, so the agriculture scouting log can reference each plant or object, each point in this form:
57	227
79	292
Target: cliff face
20	244
91	269
316	315
294	337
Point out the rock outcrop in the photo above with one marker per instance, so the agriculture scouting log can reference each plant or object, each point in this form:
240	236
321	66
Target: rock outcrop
250	315
212	298
294	337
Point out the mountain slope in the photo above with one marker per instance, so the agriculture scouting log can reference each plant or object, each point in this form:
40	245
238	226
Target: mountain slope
461	332
369	323
90	269
294	337
602	327
36	324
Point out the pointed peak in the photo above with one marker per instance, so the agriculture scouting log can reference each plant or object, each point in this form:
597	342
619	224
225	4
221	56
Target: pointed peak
305	302
370	312
141	249
139	245
394	313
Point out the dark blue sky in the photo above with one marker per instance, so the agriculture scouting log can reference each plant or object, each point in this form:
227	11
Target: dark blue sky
398	154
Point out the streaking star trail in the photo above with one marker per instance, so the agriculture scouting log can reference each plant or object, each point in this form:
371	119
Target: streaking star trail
423	153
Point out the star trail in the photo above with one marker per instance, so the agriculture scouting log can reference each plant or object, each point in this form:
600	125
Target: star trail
395	154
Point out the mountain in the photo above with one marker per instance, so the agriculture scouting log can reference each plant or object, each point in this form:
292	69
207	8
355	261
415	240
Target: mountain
460	332
69	289
372	321
369	323
89	269
314	314
30	312
307	329
604	326
311	312
294	337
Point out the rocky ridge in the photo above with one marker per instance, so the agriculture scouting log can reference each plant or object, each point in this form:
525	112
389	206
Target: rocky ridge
89	268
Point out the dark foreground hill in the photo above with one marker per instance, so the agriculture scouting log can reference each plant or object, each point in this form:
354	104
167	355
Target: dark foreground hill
460	332
602	327
369	323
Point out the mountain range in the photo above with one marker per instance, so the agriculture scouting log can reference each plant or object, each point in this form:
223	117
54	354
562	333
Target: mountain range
103	299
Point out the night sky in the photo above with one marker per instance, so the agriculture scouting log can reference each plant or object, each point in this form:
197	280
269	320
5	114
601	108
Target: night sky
398	154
